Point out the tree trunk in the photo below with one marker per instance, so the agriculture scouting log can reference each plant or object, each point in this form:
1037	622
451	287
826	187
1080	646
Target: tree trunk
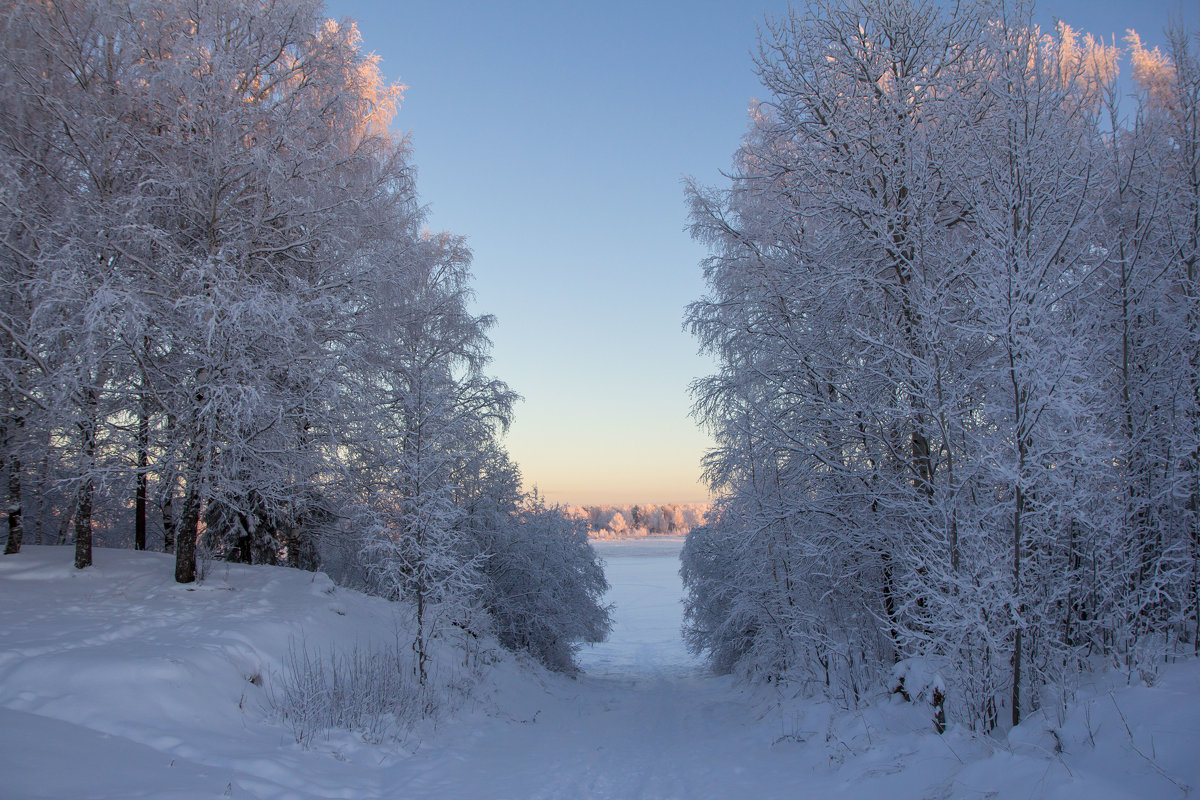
83	514
189	518
419	643
1018	399
15	527
143	462
13	464
168	517
1018	638
189	529
42	483
83	527
168	496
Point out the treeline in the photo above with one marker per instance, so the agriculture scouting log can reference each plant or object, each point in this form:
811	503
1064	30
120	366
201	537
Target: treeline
224	326
636	521
953	297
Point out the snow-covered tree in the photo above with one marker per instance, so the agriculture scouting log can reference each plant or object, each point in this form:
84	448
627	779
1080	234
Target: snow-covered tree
219	308
546	585
947	406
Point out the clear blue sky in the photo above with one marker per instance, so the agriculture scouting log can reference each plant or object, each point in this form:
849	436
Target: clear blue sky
556	136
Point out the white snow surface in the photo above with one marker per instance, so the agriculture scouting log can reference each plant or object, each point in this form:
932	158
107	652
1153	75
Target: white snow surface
117	683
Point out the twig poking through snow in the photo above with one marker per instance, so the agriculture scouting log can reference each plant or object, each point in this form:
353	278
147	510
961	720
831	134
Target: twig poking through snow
1183	787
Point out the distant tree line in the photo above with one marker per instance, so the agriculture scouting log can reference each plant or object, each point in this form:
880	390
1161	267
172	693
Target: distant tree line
954	302
225	328
635	521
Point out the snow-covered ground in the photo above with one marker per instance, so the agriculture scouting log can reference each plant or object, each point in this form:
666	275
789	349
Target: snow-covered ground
116	683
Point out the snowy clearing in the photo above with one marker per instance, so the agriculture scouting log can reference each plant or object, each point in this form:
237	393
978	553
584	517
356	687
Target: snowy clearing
117	683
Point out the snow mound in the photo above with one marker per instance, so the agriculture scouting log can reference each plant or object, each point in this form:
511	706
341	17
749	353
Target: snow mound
1113	740
148	688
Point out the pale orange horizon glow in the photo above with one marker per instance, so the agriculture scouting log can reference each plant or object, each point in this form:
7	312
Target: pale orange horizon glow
575	454
618	495
643	480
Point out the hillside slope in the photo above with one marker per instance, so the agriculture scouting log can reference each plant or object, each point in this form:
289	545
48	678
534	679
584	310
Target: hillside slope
148	688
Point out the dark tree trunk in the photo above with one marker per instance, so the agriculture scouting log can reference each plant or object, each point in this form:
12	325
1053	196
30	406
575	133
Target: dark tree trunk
83	527
83	514
1018	638
168	518
41	485
13	464
189	518
185	542
143	462
16	529
168	495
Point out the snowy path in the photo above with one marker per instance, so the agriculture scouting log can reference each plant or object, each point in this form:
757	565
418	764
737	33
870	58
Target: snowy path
647	722
644	721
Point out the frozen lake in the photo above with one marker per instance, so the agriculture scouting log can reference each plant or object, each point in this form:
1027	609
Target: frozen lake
646	589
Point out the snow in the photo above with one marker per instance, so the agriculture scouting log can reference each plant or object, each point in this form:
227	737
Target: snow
117	683
918	679
648	615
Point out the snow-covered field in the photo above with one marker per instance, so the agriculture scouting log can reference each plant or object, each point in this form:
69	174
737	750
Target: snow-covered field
117	683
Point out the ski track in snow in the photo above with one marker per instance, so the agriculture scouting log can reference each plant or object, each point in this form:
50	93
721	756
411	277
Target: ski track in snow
117	684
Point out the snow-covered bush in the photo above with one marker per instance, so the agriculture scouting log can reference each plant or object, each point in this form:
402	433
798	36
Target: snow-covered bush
545	585
711	624
418	557
915	679
370	691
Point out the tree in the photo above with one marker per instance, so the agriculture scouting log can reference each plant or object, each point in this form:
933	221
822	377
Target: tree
952	367
217	296
1170	87
428	399
836	271
545	584
1033	203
